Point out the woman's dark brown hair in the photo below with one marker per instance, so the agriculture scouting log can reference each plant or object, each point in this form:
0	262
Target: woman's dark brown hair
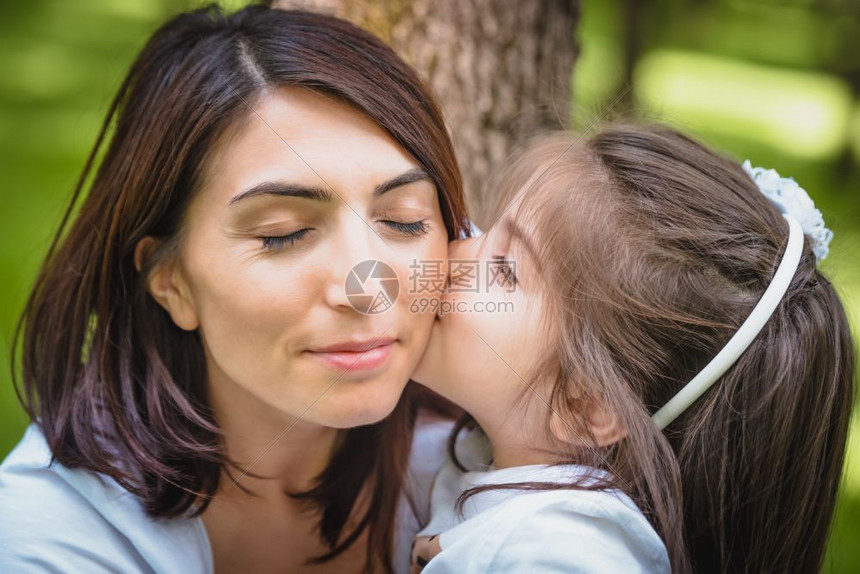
116	386
652	250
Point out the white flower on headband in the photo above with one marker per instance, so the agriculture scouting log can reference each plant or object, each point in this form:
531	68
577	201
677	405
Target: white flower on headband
792	199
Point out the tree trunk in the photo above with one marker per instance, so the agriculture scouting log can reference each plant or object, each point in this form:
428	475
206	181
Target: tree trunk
501	69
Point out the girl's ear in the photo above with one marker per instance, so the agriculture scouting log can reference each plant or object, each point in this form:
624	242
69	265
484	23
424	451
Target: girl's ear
167	286
604	426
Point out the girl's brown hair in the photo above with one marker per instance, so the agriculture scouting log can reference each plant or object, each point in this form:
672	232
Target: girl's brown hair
116	387
652	250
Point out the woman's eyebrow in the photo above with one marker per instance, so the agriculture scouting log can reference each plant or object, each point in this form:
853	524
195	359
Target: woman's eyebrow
283	189
319	194
411	176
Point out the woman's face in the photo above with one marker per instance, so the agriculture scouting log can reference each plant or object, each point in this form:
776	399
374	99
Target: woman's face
262	274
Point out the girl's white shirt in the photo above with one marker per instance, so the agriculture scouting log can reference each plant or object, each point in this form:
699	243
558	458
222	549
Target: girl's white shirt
550	531
56	519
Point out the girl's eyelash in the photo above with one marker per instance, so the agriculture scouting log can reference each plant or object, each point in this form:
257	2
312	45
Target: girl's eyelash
274	243
507	269
414	228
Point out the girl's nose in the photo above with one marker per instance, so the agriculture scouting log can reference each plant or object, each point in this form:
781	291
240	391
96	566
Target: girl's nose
463	259
464	248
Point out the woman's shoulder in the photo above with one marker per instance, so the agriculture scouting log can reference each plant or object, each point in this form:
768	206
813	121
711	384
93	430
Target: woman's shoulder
75	520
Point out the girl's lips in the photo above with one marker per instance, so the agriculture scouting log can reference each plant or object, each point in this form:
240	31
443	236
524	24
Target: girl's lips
355	360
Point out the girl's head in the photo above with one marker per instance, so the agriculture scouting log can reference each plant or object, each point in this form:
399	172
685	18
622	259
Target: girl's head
639	252
175	299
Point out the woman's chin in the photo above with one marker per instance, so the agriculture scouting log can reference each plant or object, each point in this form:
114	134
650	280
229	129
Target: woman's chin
349	410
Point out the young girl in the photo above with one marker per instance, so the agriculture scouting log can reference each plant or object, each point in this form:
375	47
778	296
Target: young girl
658	375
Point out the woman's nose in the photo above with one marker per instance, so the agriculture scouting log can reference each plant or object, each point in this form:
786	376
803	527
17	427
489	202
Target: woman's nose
355	245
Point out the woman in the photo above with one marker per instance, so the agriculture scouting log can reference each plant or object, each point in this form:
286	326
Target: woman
209	394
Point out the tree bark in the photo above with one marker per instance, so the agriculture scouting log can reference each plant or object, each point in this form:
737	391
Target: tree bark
502	69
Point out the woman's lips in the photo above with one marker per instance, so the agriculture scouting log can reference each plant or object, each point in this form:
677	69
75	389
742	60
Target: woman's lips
359	356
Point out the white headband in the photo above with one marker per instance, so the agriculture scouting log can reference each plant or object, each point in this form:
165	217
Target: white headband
745	334
803	219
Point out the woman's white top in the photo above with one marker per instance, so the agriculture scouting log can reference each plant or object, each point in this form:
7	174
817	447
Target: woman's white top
55	519
516	531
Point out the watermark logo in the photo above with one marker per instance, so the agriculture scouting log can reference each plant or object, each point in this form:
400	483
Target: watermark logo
372	287
464	276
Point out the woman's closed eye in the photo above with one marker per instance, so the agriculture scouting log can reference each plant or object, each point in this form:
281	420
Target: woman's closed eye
274	243
277	242
413	228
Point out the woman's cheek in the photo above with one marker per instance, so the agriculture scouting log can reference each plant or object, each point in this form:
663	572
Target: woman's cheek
423	276
258	300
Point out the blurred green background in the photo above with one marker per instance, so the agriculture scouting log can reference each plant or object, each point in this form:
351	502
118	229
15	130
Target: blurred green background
776	82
